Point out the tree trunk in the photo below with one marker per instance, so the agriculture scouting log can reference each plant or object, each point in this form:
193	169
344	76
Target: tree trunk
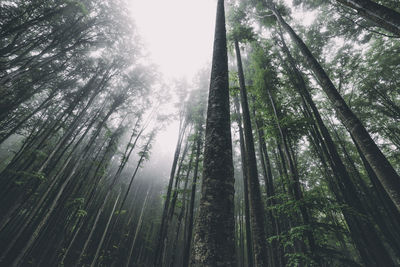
188	241
105	230
39	204
137	229
277	251
382	16
362	230
162	231
383	169
214	240
257	216
297	192
249	242
181	213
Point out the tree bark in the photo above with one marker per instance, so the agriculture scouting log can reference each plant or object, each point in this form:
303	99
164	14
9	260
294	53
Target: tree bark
214	240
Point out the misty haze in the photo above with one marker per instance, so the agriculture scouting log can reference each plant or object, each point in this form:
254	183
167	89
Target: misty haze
202	133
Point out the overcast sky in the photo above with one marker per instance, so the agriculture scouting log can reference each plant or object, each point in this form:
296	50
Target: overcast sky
178	34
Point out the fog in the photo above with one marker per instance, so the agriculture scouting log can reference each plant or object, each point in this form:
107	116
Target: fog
178	38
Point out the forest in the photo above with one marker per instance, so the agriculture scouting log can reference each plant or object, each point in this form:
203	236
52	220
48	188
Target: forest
285	151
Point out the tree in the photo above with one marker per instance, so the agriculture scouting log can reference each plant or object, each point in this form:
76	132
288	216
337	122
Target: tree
214	232
256	205
381	15
384	170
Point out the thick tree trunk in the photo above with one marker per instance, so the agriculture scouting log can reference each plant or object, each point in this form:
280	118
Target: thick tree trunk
383	169
214	240
382	16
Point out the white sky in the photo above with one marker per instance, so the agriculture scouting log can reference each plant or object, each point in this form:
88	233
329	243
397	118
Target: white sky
178	34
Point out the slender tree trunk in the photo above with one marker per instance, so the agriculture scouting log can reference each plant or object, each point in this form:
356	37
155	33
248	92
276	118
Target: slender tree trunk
141	159
42	199
188	241
181	213
383	169
70	131
105	230
137	230
171	207
363	232
162	230
93	227
25	119
249	242
96	180
257	216
214	240
277	252
382	16
177	182
297	192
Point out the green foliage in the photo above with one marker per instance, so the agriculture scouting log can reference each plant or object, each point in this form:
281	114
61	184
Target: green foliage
122	212
299	259
40	154
240	29
19	183
144	154
81	213
81	7
24	177
53	55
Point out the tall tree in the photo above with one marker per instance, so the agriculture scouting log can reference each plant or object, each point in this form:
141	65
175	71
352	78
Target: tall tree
381	15
256	204
383	169
215	230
